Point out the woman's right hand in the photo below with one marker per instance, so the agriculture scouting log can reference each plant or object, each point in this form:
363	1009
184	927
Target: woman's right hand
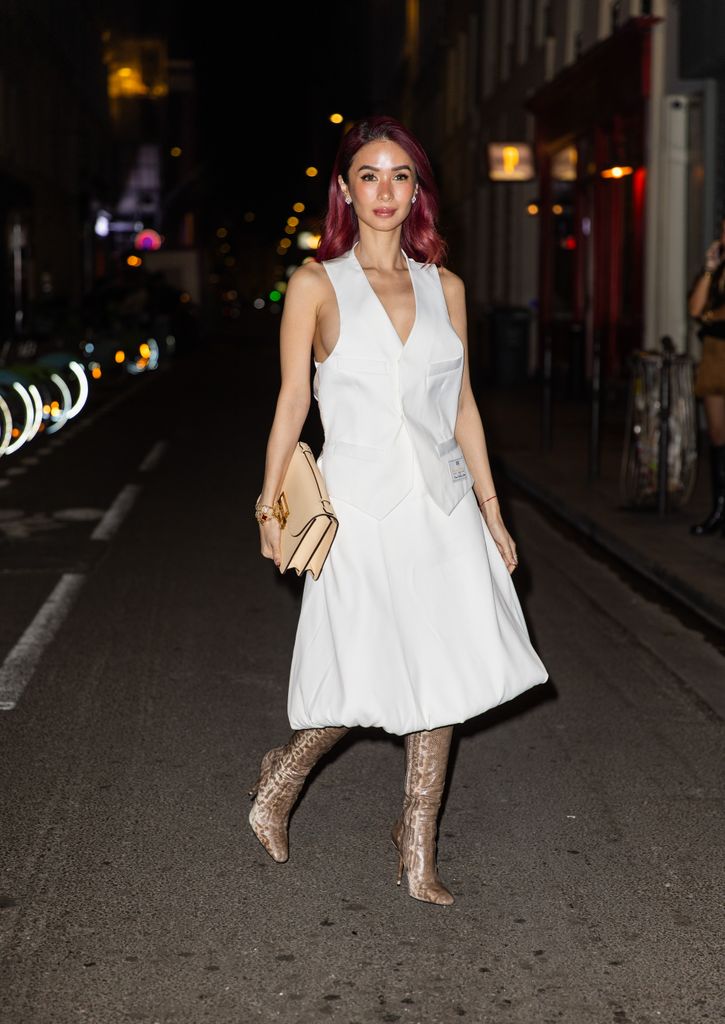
713	256
270	539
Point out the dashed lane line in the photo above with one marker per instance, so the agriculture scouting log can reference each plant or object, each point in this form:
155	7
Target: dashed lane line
118	511
153	457
21	662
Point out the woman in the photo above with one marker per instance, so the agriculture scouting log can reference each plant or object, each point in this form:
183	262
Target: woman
707	302
414	623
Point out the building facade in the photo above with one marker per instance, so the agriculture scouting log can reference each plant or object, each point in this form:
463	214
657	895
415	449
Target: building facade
596	245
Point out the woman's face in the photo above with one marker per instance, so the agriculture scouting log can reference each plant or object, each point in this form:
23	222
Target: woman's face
381	183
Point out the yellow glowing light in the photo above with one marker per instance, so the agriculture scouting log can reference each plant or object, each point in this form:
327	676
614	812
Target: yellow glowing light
120	356
510	157
293	221
175	150
226	247
46	410
134	261
557	209
96	372
306	240
249	216
336	118
141	363
185	297
289	230
284	243
127	80
617	172
532	209
280	251
221	232
311	172
299	207
144	350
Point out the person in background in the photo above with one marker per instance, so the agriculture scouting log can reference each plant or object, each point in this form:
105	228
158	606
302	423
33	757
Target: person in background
707	304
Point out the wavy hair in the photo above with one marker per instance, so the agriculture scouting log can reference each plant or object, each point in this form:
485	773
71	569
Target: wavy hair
419	235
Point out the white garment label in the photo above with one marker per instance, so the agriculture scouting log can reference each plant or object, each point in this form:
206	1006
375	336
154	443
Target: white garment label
457	468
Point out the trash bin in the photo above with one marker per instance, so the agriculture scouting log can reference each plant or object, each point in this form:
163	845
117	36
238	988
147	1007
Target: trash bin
509	344
640	473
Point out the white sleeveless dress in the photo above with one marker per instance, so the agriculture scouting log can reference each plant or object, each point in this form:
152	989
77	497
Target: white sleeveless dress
414	622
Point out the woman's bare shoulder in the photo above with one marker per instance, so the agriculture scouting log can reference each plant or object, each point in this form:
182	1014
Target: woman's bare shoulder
309	281
453	286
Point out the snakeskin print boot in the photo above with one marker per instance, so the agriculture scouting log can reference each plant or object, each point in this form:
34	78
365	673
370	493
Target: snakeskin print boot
281	777
414	833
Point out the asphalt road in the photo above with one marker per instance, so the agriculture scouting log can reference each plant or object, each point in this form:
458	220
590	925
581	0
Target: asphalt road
582	832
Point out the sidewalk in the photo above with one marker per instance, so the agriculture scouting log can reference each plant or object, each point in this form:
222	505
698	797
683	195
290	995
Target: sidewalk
690	569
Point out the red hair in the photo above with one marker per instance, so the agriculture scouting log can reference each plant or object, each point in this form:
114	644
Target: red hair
419	235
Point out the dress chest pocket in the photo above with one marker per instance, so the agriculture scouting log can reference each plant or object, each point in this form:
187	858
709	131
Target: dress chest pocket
444	366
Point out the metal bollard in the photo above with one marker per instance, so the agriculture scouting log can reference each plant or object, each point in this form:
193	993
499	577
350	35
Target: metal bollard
546	383
664	440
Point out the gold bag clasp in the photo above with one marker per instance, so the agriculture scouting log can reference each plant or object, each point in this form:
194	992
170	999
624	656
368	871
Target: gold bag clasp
282	510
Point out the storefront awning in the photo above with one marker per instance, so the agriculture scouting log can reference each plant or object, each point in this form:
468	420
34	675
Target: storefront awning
611	79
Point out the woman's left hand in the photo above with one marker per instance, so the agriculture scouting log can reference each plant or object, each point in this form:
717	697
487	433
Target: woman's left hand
504	541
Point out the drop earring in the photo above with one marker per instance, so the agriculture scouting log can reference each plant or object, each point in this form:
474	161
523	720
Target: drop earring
414	197
348	200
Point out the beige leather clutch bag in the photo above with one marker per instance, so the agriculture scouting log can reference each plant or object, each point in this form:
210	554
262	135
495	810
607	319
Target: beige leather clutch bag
308	521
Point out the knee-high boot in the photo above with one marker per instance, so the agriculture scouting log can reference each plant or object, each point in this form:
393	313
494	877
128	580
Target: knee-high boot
716	519
281	777
414	833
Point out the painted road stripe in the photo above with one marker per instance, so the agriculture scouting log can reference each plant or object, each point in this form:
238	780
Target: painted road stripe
116	513
21	662
153	458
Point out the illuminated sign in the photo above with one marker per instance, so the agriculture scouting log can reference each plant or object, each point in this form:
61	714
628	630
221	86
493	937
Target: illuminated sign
147	239
563	164
510	161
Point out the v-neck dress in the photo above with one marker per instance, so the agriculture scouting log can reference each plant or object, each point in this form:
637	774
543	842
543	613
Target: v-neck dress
414	622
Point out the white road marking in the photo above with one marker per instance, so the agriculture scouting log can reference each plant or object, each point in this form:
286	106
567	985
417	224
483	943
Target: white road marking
21	662
153	458
115	515
78	515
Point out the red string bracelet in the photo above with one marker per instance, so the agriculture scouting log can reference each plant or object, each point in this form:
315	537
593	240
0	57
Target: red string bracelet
485	500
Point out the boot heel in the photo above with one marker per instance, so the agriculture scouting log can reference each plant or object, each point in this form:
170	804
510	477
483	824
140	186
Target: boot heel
401	868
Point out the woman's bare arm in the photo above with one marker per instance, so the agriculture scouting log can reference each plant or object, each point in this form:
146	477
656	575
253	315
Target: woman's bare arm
297	330
697	300
469	428
699	294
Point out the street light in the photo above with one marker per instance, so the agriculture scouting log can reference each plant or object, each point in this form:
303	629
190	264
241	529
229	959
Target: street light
617	171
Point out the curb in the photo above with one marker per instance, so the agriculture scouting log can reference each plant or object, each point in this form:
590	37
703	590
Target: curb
674	587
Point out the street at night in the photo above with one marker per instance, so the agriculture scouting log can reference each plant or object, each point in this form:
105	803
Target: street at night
580	836
362	512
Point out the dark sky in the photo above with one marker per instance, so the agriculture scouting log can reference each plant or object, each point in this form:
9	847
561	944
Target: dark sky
269	75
